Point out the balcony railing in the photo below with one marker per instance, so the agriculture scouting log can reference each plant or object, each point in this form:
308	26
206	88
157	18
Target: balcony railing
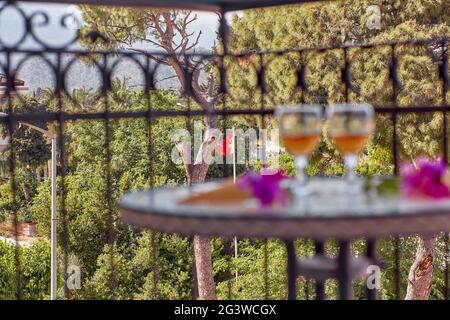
105	115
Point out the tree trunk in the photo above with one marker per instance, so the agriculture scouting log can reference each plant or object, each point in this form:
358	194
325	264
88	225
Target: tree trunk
421	273
203	265
202	249
196	173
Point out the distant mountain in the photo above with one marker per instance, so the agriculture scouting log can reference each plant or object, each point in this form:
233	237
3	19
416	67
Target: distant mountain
37	74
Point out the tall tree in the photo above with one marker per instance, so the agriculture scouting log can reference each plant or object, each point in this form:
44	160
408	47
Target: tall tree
147	31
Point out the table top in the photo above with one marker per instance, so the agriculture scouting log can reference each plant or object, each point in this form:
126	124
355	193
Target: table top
327	214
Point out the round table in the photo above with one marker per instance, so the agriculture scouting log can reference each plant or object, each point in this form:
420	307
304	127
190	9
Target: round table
328	214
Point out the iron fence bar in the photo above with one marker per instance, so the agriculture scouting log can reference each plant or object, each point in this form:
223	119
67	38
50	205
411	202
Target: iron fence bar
107	146
419	41
121	52
223	33
55	116
371	253
346	77
62	158
302	86
445	85
395	87
291	270
301	81
307	291
397	258
262	85
188	123
210	6
148	123
344	272
12	171
446	269
266	270
320	284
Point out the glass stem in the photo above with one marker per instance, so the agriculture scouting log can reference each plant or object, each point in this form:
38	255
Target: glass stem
300	165
350	162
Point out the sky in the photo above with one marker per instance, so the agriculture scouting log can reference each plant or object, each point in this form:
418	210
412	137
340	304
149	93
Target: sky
12	28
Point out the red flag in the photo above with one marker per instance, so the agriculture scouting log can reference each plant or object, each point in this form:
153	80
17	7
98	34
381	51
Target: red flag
225	146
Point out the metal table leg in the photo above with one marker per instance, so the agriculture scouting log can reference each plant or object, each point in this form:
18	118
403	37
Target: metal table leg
320	284
344	273
345	268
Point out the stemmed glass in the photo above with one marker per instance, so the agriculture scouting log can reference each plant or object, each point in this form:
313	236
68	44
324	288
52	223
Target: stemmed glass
300	131
350	125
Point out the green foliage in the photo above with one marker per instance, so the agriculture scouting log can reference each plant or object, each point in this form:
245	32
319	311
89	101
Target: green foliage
26	187
6	201
8	280
344	22
31	147
87	209
111	268
251	281
34	263
36	270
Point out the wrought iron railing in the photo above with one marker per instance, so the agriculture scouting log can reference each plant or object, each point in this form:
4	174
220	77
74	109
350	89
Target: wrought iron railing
14	56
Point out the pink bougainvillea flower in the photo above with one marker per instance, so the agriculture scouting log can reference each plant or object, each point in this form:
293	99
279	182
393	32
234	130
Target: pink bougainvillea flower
265	186
425	179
